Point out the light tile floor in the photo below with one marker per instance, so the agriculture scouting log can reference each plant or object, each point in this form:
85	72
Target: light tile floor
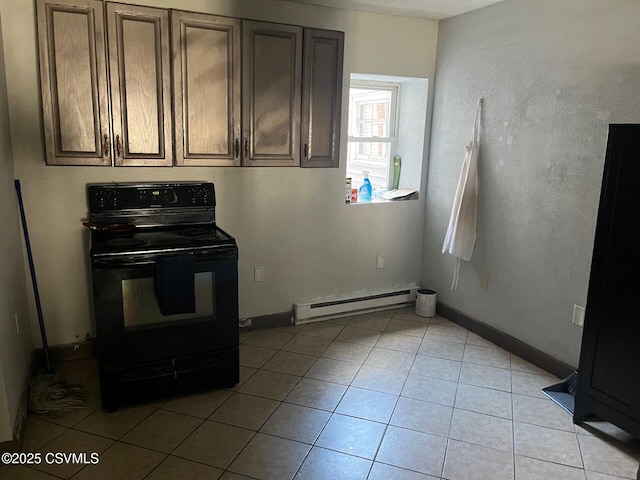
381	396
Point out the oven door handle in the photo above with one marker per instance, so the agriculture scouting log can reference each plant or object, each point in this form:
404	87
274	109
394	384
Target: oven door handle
200	255
216	253
118	262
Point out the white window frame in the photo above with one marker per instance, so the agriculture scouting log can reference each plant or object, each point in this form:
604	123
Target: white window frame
391	139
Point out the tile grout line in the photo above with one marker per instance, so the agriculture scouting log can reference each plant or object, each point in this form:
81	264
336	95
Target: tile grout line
331	413
284	401
388	423
350	385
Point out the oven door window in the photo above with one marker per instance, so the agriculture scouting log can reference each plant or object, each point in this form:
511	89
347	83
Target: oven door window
141	310
130	327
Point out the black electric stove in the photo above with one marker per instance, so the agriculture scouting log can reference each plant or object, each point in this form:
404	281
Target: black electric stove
165	289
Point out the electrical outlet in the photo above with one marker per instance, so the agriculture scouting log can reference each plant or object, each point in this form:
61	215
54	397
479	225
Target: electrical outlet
379	261
484	279
17	324
578	315
245	322
258	274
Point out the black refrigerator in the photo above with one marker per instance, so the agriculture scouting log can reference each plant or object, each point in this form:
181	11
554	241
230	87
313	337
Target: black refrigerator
609	372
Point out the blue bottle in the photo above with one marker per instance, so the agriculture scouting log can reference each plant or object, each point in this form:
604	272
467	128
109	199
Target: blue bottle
364	194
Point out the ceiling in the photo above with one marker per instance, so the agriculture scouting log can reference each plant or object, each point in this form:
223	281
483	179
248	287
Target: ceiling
429	9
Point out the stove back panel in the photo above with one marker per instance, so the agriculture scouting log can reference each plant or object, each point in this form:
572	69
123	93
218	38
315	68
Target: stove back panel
117	197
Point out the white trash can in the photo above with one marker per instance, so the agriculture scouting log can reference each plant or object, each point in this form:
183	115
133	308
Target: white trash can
426	302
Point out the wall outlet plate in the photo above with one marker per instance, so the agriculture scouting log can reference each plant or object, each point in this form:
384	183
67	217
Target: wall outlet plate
258	274
484	279
244	322
578	315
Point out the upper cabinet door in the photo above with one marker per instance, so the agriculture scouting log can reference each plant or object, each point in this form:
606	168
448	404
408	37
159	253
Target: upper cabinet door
140	85
73	77
322	97
206	79
272	67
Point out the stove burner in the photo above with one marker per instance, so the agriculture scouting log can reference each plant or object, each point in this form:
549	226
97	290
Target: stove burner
194	231
124	242
205	237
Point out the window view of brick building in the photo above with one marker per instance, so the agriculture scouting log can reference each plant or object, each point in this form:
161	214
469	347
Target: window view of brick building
372	125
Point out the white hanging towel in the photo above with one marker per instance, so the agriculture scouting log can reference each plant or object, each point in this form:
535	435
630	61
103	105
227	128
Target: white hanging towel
461	233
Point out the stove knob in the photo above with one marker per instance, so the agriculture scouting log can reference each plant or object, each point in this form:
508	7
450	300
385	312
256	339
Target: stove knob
198	195
99	199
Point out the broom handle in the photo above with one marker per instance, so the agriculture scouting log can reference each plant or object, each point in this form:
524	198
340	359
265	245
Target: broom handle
43	334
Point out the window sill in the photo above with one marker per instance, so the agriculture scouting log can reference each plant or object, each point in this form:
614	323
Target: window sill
391	196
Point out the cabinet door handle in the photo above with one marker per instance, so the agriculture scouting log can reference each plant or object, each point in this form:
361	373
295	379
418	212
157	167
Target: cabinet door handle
246	147
105	146
306	150
236	148
118	146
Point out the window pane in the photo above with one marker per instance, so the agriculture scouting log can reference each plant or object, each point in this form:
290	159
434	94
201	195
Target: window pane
373	157
370	112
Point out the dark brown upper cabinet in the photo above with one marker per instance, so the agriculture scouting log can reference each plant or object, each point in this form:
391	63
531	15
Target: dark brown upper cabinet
206	81
322	97
244	92
271	94
140	85
83	125
73	77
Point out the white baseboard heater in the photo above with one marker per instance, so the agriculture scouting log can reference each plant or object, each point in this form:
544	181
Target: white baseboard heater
341	306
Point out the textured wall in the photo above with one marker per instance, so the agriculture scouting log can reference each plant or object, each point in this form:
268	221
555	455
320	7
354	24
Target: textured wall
552	75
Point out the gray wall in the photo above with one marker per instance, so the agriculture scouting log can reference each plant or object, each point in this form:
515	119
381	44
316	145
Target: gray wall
15	348
552	75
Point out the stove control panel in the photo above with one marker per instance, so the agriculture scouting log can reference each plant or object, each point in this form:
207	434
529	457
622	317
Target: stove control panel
125	196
